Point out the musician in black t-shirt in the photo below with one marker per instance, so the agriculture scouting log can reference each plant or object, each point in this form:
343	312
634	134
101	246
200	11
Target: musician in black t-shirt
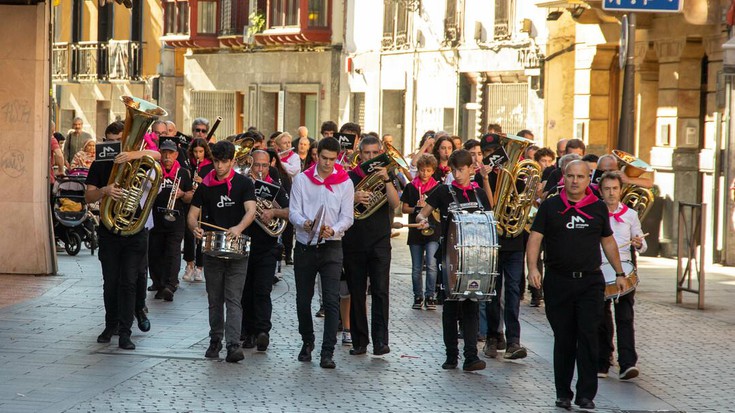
572	226
227	200
164	246
461	194
264	251
367	254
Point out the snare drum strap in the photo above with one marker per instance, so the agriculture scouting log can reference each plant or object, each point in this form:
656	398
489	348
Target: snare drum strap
456	201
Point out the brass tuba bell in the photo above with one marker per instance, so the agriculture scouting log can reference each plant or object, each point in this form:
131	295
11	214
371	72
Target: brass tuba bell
123	217
635	197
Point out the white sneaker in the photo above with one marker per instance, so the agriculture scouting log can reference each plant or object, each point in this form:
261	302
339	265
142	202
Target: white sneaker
188	274
346	338
198	275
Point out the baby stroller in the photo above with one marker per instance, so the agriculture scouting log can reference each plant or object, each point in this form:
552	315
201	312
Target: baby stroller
74	221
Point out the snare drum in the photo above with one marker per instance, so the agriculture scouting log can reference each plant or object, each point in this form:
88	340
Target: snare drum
631	279
217	244
471	256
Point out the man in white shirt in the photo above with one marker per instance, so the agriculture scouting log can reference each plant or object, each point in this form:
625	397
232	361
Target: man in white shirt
627	231
324	185
289	158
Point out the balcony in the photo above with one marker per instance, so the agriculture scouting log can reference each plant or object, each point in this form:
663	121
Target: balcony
115	60
190	24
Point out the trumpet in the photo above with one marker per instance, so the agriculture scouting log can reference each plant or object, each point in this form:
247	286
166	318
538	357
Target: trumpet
170	214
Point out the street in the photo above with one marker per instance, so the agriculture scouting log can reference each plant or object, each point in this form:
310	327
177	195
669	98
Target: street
50	361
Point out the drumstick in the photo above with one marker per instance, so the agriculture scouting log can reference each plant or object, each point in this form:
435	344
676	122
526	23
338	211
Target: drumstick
213	226
398	225
625	244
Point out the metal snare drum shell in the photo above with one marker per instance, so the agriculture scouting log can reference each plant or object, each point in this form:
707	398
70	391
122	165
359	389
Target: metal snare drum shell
217	244
471	256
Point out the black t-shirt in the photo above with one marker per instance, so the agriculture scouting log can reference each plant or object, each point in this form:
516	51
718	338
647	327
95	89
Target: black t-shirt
507	244
368	232
441	198
572	241
410	197
546	172
260	241
160	224
220	208
203	171
552	180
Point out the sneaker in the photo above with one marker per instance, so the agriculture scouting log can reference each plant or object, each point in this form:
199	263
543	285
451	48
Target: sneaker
248	341
215	346
234	353
601	374
629	373
535	302
481	338
262	341
346	338
430	304
502	344
417	302
188	274
320	312
198	275
167	294
515	351
490	350
473	364
450	364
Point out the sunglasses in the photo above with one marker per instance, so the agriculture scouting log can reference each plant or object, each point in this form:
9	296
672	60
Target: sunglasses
200	130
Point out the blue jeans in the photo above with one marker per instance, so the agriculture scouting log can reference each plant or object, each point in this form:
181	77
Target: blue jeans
510	267
418	252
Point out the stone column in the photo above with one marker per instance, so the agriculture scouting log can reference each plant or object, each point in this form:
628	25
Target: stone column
646	87
592	95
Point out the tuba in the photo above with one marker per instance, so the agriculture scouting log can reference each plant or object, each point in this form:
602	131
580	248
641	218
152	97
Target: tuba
122	217
375	185
277	225
242	158
635	197
515	187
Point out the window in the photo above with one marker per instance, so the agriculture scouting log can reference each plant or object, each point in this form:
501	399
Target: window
176	17
396	24
503	11
207	17
182	13
233	16
453	22
210	104
507	105
317	13
283	13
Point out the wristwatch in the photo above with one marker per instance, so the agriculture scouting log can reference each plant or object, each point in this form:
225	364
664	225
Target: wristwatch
620	274
386	180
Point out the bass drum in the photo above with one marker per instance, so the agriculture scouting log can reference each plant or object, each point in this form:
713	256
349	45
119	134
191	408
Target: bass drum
471	256
217	244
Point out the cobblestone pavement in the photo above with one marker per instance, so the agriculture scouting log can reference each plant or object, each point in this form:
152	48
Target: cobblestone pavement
52	363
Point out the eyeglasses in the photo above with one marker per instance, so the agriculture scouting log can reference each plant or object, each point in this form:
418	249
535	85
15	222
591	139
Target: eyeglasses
200	130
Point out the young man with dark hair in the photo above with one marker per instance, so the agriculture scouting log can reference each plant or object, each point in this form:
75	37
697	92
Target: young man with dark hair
461	194
227	200
321	196
328	129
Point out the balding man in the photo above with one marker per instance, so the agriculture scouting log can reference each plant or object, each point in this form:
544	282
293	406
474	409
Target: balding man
608	163
572	227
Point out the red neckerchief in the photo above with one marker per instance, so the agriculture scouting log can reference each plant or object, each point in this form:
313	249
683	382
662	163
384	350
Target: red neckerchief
211	180
288	155
617	215
589	199
268	179
150	143
333	179
424	188
172	173
203	163
471	186
359	171
444	169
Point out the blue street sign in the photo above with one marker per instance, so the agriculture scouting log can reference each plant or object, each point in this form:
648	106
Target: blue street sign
651	6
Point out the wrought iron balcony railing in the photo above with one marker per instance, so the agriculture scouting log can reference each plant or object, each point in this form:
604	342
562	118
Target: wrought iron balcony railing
97	61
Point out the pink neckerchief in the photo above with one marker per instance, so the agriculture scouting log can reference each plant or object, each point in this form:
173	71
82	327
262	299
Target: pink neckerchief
424	187
288	155
471	186
617	215
211	180
335	178
150	143
359	171
172	173
203	163
268	179
589	199
444	169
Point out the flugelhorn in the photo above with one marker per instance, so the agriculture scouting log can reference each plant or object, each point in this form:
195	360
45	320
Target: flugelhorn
122	216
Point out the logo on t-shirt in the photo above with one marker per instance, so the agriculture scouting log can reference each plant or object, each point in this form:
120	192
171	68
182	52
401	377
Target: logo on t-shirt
577	223
167	183
224	201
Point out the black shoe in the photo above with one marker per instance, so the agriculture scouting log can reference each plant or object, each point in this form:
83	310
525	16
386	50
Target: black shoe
106	335
167	294
381	349
339	326
417	302
215	346
585	403
305	353
276	280
152	288
564	403
320	312
502	344
535	302
234	353
125	343
289	261
248	341
144	324
450	364
262	341
357	351
515	352
327	362
473	364
159	295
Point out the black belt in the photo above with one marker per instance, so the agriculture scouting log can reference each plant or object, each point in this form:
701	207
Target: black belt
332	243
574	274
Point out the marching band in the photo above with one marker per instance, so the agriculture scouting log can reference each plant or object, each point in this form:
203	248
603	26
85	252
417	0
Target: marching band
474	213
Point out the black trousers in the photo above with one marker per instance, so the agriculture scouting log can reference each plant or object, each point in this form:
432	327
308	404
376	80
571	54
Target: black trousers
189	240
256	295
326	260
468	313
141	283
624	314
121	259
287	240
359	266
164	258
574	310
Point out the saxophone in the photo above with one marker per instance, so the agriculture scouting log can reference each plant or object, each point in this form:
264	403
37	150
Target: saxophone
276	226
121	216
515	187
